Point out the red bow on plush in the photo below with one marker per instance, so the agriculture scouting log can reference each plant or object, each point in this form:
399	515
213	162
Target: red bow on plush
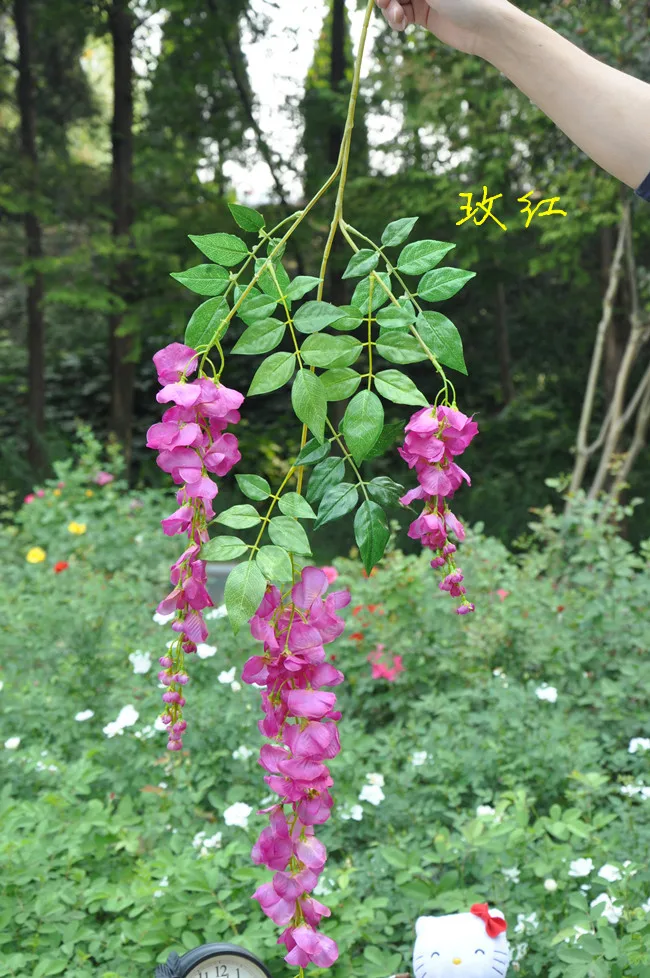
493	925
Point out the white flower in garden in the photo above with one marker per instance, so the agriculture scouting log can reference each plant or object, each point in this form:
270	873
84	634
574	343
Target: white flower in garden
418	758
163	619
237	814
205	651
550	885
646	907
525	922
127	717
12	743
521	950
220	612
354	812
485	810
579	931
323	887
159	725
612	911
146	732
610	873
141	661
581	867
242	753
84	715
630	872
548	693
205	844
163	785
511	874
163	882
637	744
377	779
2	685
227	677
632	790
235	686
372	793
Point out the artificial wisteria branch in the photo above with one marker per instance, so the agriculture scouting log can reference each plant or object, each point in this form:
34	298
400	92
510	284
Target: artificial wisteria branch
273	587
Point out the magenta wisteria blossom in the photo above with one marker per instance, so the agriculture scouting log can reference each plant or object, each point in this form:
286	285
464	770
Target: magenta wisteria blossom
352	353
192	447
300	720
434	438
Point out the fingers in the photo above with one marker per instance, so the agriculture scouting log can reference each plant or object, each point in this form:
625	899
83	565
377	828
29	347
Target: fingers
394	13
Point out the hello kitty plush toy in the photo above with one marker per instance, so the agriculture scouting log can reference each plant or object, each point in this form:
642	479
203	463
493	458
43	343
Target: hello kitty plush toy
462	945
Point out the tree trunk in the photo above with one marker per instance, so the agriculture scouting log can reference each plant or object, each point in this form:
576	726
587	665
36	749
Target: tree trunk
122	367
35	325
503	346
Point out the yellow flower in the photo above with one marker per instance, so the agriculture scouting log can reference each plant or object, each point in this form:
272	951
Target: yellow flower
36	555
89	493
56	492
77	528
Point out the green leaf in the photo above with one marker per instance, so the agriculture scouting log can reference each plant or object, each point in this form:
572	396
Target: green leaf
362	423
261	337
225	249
288	533
361	294
275	564
309	402
394	857
371	533
313	316
399	347
204	279
325	350
361	263
350	320
247	218
205	326
420	256
256	308
250	292
396	318
272	244
329	472
239	517
301	285
243	593
398	388
442	283
340	383
389	435
223	548
337	501
272	373
384	491
313	452
254	486
443	339
266	281
397	231
291	504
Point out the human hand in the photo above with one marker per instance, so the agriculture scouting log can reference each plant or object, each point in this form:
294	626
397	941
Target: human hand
463	24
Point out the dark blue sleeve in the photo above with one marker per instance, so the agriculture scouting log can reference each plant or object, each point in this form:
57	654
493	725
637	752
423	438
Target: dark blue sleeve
644	189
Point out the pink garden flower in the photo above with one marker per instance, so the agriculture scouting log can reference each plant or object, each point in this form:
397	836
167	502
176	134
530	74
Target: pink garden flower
300	720
103	478
435	436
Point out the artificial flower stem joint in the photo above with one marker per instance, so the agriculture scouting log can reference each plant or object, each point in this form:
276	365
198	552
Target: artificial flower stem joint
312	345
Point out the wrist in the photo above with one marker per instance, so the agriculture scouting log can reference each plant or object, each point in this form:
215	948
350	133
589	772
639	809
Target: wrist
503	24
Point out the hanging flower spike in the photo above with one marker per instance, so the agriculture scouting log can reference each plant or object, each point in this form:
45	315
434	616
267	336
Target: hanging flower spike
191	447
300	721
434	437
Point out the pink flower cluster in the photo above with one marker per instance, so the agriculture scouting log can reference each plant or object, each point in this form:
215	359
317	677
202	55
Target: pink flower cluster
435	436
192	446
380	668
300	721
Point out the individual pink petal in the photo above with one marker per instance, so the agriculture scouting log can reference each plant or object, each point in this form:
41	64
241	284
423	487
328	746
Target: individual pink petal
173	361
312	585
184	395
312	704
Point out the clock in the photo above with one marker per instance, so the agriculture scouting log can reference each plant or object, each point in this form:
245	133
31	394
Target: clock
213	961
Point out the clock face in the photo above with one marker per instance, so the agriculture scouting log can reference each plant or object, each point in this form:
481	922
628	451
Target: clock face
226	966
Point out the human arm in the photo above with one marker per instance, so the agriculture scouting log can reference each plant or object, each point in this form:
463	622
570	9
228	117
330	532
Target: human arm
601	109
